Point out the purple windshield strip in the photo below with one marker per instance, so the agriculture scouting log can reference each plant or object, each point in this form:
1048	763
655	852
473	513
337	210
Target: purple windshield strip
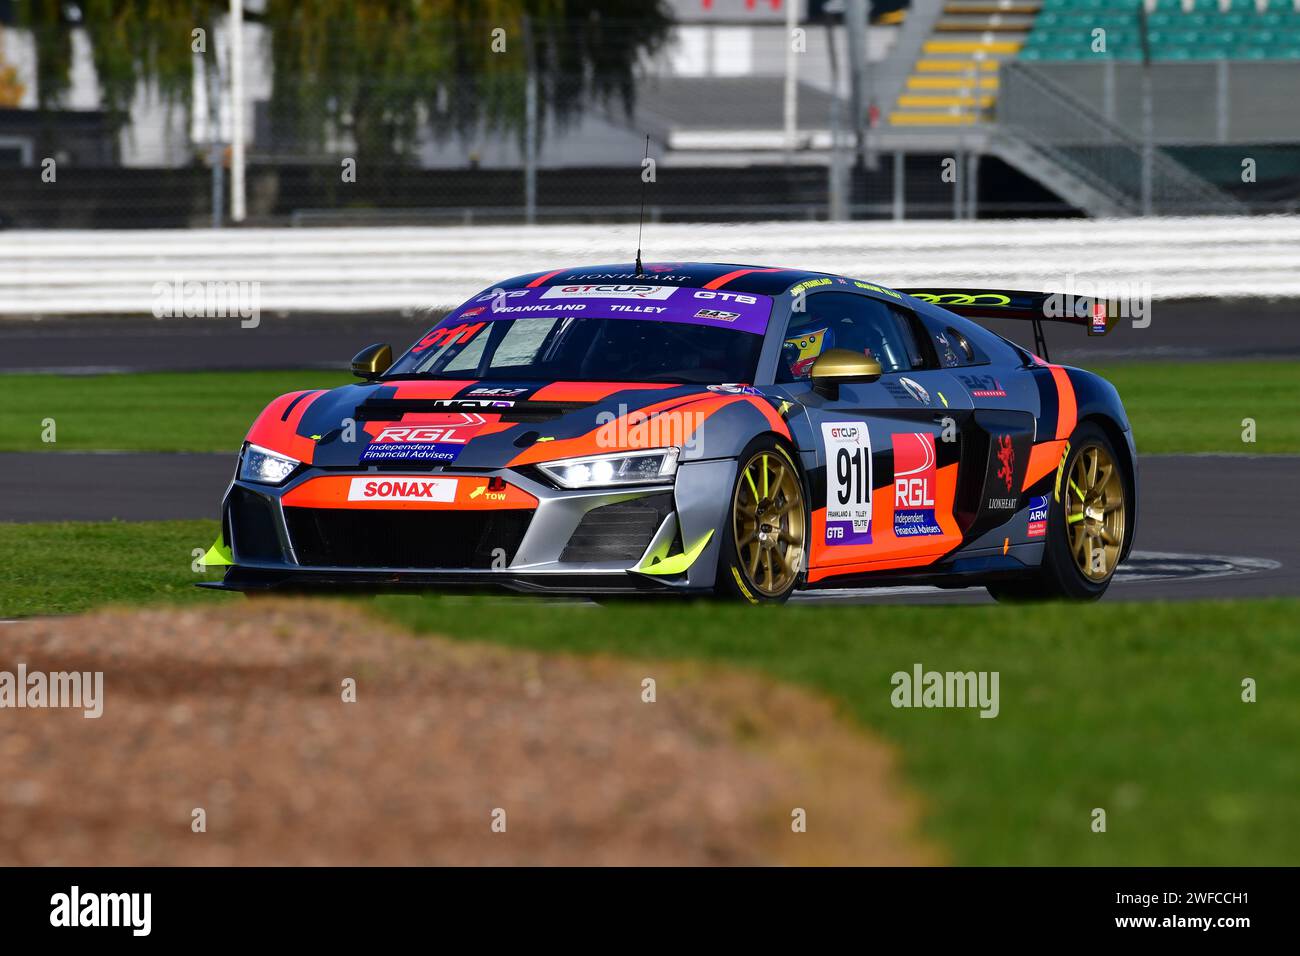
660	303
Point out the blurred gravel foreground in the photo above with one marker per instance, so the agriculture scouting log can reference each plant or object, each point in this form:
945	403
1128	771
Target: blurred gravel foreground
240	711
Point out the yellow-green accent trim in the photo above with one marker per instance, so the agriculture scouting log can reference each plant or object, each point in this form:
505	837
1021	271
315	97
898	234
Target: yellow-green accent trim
735	573
678	563
218	555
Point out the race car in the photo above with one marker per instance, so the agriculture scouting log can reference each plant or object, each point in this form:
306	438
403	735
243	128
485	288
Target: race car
696	429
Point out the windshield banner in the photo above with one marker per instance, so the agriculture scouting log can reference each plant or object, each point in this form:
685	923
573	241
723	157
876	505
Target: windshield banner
740	312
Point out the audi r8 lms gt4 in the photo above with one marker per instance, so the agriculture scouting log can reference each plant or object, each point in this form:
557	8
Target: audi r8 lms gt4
693	429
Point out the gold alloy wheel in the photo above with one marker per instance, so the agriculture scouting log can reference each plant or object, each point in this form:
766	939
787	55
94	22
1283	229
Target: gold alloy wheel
1094	513
768	518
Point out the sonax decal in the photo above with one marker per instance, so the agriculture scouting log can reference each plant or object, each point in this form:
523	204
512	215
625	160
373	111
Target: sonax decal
402	489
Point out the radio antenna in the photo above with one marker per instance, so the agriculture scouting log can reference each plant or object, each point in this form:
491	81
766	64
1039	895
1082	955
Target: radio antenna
641	222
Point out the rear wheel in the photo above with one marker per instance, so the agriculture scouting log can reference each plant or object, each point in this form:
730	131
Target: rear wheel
764	543
1085	528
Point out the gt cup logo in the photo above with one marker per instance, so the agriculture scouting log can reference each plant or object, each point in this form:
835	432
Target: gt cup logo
610	291
914	480
402	489
848	483
717	315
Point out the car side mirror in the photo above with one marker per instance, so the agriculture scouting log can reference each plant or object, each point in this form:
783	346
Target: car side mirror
836	367
372	361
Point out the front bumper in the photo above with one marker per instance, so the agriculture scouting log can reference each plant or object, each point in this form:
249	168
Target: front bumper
525	536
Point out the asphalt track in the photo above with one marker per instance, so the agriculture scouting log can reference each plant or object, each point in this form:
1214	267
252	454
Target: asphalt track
1194	330
1208	526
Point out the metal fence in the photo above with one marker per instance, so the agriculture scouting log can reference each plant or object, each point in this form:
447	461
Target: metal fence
1129	171
385	150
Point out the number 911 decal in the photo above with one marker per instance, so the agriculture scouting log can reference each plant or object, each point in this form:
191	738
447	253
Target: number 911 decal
848	482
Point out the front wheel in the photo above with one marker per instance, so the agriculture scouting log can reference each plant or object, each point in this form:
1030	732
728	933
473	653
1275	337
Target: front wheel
764	542
1085	528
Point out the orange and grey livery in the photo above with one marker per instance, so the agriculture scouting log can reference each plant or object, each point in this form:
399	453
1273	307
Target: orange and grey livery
687	428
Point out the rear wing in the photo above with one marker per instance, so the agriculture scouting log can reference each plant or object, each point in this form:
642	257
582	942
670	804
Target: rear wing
1035	307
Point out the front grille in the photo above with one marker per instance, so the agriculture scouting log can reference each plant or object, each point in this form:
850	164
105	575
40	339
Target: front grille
618	532
252	526
353	538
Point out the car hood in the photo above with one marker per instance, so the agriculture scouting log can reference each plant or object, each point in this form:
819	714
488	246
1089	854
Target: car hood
487	425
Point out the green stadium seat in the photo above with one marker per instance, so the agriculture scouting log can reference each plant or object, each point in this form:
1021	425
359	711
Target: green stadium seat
1173	38
1063	30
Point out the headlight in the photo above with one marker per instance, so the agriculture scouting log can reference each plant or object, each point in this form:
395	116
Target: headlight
622	468
265	466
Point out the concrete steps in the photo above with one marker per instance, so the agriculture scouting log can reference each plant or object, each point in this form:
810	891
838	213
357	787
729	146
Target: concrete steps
954	79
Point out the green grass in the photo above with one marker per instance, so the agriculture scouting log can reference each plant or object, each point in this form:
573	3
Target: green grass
1175	407
1135	709
157	411
72	566
1199	406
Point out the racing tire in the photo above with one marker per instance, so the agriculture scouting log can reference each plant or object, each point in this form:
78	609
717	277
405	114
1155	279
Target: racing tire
1086	528
765	539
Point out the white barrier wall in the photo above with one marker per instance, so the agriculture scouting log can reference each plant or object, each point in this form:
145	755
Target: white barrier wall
381	269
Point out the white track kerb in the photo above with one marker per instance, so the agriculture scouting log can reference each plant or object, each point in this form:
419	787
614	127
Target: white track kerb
386	269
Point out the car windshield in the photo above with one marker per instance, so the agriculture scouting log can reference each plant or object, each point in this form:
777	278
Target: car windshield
704	341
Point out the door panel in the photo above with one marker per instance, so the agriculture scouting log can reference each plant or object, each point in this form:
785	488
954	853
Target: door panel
886	478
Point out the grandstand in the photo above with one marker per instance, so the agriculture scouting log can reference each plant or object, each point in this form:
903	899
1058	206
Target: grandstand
1176	30
953	79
